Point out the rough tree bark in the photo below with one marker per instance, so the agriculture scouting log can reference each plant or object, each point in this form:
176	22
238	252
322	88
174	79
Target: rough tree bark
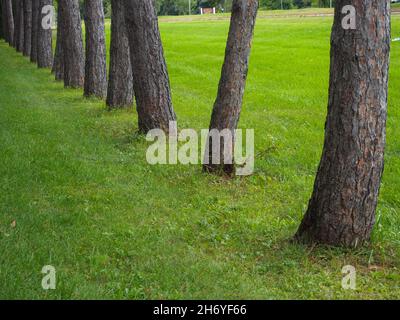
27	27
35	30
72	39
19	26
15	16
95	65
342	209
120	82
4	20
44	40
227	107
9	21
58	65
1	20
150	76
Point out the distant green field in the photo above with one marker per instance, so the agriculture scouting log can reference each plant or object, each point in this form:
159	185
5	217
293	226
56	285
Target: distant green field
75	180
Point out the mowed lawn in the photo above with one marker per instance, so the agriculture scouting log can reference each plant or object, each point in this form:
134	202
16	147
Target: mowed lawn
77	193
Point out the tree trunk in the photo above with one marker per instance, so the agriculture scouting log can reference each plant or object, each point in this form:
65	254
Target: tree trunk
19	26
27	27
35	30
120	83
72	40
9	21
342	209
150	76
58	65
1	20
4	20
227	107
21	33
15	18
45	39
95	65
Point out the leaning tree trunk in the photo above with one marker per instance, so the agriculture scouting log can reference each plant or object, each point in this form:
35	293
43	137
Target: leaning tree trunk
58	65
35	30
342	209
95	65
9	16
72	41
120	83
27	27
45	39
227	107
150	76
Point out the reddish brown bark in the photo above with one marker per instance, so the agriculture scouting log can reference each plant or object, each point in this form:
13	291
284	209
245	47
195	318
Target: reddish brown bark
342	209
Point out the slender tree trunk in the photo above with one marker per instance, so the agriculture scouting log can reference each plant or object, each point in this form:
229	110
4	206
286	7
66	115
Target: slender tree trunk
27	27
150	76
58	65
120	83
95	66
45	39
35	30
1	20
228	105
72	41
19	26
21	34
342	209
15	6
9	21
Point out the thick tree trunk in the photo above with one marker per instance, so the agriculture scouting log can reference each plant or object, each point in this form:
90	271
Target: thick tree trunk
27	27
342	209
8	8
58	65
120	83
35	30
228	105
72	41
95	65
45	40
150	76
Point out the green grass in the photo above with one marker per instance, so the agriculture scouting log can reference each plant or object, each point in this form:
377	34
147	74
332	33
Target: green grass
75	179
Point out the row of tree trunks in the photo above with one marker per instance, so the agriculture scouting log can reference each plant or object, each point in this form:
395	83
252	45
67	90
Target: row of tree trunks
35	30
150	77
120	82
74	74
95	66
27	27
228	105
343	205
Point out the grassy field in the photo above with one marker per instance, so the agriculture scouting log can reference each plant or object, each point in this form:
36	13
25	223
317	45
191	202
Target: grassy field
76	191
